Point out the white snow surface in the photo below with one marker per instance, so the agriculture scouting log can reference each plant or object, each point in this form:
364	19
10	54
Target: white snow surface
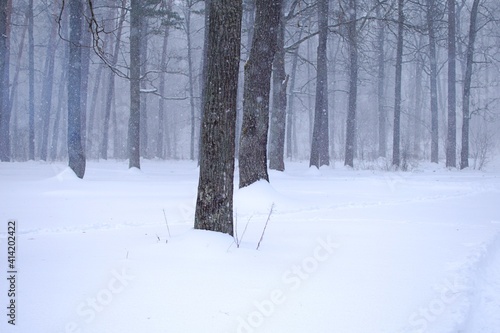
344	251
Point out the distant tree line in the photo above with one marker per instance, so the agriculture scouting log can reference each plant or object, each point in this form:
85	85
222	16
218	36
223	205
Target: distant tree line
353	81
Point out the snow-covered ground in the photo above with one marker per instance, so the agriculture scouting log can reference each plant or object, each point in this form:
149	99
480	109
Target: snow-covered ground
344	251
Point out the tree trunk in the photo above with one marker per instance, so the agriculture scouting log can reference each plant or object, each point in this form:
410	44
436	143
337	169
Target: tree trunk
91	135
144	96
431	12
382	114
205	60
451	138
76	153
103	151
291	135
253	140
60	110
417	122
86	43
214	205
350	139
4	82
278	112
396	154
160	151
48	84
320	143
464	155
31	70
191	81
135	86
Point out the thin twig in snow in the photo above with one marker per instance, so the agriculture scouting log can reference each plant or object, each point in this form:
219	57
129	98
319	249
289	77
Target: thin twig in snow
265	226
166	222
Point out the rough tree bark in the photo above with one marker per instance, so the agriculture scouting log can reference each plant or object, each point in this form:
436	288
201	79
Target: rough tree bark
320	144
464	154
76	153
253	139
214	205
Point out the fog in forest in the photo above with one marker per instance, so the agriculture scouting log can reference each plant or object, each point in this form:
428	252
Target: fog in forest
361	79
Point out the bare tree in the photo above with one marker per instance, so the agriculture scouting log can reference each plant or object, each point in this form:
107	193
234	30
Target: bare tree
382	114
451	138
278	111
431	26
110	91
464	155
4	82
253	139
214	205
135	85
396	154
31	69
320	143
75	148
350	138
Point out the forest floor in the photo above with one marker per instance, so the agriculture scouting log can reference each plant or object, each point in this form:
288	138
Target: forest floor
344	251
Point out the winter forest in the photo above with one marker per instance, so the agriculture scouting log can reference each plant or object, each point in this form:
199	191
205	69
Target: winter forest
347	152
386	68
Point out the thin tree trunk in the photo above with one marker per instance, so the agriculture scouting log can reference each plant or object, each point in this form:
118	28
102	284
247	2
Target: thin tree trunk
417	123
382	114
451	138
31	69
4	81
291	142
59	110
86	42
278	112
214	204
464	155
191	80
144	96
46	107
431	12
111	85
92	137
76	153
320	143
162	117
350	139
253	140
15	80
396	154
135	86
